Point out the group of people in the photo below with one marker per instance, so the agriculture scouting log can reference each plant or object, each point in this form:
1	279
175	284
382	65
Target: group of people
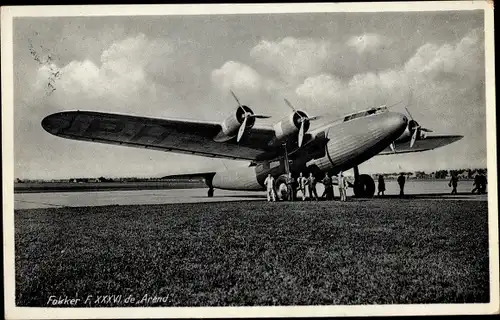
306	186
480	182
401	182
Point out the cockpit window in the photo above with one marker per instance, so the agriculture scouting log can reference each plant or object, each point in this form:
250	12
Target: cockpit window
365	113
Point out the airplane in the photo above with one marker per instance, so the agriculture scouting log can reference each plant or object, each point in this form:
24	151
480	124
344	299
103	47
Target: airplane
288	146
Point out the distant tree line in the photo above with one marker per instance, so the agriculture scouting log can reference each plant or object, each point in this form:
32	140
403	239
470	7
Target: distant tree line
100	179
438	174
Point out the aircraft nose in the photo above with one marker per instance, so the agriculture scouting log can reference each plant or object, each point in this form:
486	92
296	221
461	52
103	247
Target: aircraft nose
56	122
396	122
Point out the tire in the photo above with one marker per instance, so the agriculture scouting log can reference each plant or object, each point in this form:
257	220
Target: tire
281	180
210	192
364	187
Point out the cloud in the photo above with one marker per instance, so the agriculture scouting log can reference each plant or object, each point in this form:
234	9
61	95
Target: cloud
368	42
320	89
120	81
292	57
117	71
438	74
463	58
325	91
236	75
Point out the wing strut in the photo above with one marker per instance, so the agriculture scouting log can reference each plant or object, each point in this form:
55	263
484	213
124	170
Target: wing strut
287	164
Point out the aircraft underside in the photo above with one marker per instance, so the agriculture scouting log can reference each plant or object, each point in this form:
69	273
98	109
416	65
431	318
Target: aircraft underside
251	179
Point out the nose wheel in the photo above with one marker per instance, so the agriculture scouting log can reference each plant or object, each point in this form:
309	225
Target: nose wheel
210	192
364	186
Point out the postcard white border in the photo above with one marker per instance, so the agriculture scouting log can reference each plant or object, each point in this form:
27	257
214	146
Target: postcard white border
13	312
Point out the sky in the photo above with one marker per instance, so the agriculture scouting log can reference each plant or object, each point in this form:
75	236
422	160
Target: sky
184	66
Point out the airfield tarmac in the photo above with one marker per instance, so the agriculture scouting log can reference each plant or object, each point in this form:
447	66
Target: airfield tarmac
416	189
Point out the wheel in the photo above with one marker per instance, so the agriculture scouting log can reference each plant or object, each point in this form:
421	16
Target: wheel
364	187
210	192
282	191
279	182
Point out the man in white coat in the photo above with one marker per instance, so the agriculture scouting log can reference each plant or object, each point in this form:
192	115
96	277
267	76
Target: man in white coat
269	183
342	186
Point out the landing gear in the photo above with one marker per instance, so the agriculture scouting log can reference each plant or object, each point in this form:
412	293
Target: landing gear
364	186
283	190
210	192
284	181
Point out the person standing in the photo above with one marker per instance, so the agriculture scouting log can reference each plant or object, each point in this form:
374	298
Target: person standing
327	182
269	183
342	185
346	185
302	181
289	184
401	182
453	182
477	183
381	185
482	183
312	186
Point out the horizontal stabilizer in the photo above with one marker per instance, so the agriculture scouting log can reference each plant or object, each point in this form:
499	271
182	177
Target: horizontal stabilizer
207	176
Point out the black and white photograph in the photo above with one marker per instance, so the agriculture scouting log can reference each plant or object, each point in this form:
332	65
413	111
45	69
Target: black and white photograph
249	160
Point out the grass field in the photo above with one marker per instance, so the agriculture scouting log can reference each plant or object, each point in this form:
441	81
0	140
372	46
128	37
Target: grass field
256	253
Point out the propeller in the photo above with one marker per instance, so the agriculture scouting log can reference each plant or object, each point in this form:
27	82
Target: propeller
417	128
303	120
247	114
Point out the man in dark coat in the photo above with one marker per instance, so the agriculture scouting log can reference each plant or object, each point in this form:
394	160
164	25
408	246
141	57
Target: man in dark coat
454	183
381	185
328	193
482	183
401	182
312	186
479	182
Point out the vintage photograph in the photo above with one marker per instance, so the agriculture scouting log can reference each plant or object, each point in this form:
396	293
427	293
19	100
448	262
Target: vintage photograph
328	157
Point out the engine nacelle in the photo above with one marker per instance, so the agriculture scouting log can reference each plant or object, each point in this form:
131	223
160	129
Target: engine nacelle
409	131
290	125
232	123
405	136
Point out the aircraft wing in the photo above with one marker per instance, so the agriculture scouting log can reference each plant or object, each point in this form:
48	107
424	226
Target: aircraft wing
429	143
173	135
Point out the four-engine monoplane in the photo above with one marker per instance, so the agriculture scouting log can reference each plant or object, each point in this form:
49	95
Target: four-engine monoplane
289	146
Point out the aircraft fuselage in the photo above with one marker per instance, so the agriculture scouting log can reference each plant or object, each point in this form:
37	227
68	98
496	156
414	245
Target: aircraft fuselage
348	145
